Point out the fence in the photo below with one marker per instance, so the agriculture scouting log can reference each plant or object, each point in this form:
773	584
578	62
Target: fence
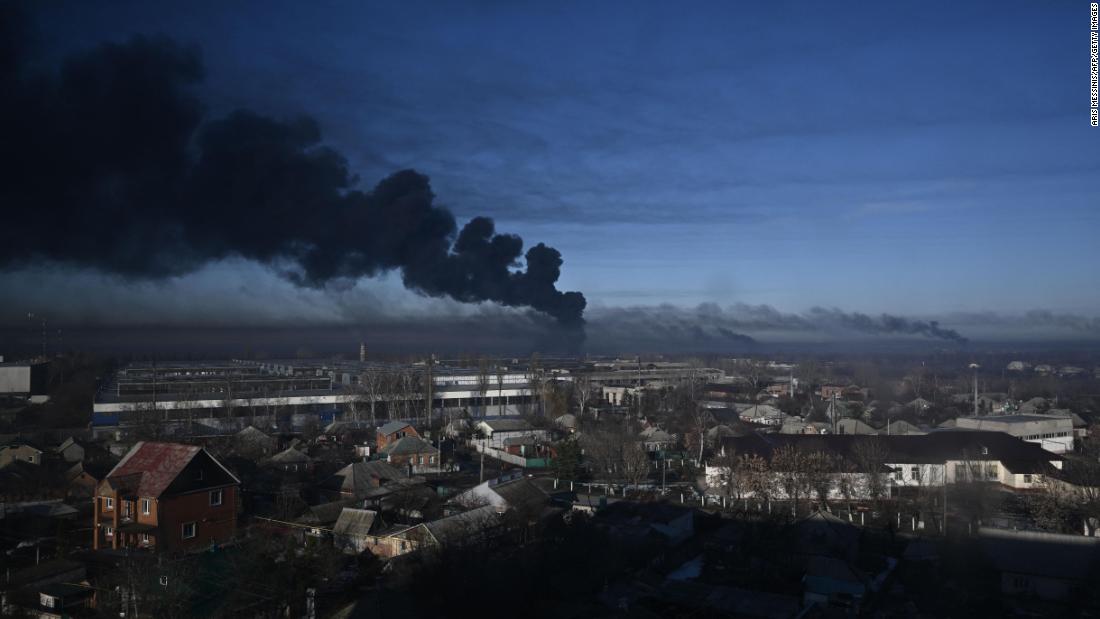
504	456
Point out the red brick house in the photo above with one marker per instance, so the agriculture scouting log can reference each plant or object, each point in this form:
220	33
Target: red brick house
393	431
411	451
166	497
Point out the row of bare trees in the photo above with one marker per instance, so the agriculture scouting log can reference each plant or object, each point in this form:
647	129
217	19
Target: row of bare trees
402	391
613	451
799	474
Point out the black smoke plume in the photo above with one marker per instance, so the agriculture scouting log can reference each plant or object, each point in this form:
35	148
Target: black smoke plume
712	321
108	163
885	324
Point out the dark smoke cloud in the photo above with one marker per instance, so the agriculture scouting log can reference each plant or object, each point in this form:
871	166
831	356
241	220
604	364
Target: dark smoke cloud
709	320
883	324
109	164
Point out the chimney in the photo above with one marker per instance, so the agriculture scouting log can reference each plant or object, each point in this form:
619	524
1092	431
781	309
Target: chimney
362	352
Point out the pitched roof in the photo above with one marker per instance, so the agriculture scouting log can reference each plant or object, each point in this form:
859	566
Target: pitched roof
252	433
853	426
325	513
354	521
409	445
393	426
508	425
360	477
291	455
148	468
462	527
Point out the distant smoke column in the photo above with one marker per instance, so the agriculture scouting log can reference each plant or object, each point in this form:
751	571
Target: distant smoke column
362	352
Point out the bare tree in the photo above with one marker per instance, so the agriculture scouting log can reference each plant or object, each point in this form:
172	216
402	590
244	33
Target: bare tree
732	478
870	460
756	476
821	467
792	468
582	392
371	385
635	462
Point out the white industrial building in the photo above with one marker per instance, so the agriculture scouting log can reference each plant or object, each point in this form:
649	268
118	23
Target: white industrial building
1052	433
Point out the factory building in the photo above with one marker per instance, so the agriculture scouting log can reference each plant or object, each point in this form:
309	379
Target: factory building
292	393
1052	433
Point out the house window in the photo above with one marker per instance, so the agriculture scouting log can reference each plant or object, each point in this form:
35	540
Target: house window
108	503
30	459
189	530
146	506
144	538
431	460
991	471
898	475
215	498
164	581
45	600
1027	478
914	473
108	530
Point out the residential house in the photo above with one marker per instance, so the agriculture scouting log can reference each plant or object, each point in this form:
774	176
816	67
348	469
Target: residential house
654	439
61	600
70	450
22	451
84	477
290	460
411	452
477	526
21	589
354	531
515	493
256	443
393	431
853	426
167	497
325	515
362	479
763	414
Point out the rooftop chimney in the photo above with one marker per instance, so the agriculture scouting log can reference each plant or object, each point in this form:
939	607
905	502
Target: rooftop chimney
362	352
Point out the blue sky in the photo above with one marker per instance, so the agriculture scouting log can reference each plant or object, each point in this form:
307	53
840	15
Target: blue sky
919	158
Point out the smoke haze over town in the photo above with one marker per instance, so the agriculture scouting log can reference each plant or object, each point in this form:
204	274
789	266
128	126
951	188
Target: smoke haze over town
688	204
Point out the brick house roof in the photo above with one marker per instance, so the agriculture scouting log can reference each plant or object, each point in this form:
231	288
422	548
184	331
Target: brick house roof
149	468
